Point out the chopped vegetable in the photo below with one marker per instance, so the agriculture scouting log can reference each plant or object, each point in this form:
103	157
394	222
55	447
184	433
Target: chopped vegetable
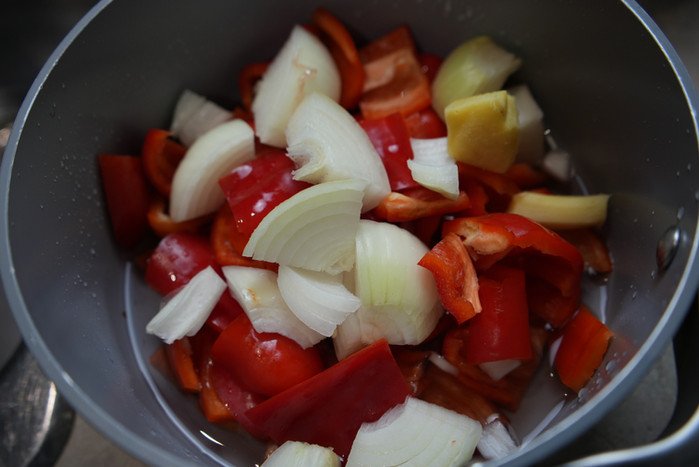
418	203
483	131
314	229
327	144
591	247
531	125
186	312
297	454
162	224
432	167
476	67
179	355
302	66
195	115
416	433
561	211
161	156
228	243
194	188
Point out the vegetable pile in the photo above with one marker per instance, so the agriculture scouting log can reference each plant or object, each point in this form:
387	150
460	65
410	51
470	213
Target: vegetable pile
364	262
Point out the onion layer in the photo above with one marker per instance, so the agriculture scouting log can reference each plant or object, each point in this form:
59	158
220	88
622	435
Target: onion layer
257	293
186	312
318	299
531	125
561	211
433	167
195	191
327	144
195	115
416	433
314	229
298	454
302	66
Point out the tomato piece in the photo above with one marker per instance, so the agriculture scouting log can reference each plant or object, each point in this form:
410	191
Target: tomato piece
255	188
162	224
177	258
507	391
389	135
429	65
229	243
126	193
267	363
179	355
583	345
592	248
417	203
341	45
501	330
455	276
425	124
249	76
161	156
329	408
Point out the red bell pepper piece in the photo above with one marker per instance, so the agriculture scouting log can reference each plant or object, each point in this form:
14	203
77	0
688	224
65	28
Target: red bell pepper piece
425	124
161	156
249	76
455	276
592	248
126	192
525	176
329	408
228	243
499	188
389	136
412	364
267	363
583	345
417	203
256	187
345	54
162	224
501	330
179	356
380	55
506	392
429	65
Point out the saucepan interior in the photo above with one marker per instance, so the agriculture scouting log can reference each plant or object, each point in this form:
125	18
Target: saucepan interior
613	93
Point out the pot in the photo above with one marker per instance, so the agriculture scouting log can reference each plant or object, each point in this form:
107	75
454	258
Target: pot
615	95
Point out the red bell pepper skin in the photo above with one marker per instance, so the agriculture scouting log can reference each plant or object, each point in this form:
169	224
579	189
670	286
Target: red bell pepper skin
501	330
179	356
329	408
525	176
506	392
429	65
380	55
390	137
592	248
425	124
255	188
455	276
418	203
583	345
126	193
162	224
247	79
267	363
343	50
499	188
161	155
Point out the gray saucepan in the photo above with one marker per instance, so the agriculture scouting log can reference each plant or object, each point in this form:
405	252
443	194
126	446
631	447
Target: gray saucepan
615	96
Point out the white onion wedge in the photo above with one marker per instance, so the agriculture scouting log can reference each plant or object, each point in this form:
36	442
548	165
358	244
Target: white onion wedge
531	125
433	167
496	441
314	229
318	299
561	211
195	115
500	368
416	433
302	66
195	190
347	338
298	454
557	163
399	298
186	312
257	293
327	144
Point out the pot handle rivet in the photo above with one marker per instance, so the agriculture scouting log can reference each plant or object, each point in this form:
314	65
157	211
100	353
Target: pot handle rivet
667	247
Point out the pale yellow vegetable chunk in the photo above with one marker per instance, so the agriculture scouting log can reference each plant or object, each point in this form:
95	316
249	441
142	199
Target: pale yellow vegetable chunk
561	211
483	130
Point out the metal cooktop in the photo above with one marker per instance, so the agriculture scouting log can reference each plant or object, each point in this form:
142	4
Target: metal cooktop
38	428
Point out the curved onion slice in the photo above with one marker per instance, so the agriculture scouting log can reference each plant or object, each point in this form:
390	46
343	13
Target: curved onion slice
298	454
185	313
195	191
531	125
498	369
327	144
314	229
347	338
195	115
561	211
318	299
399	298
303	65
257	292
416	433
496	441
433	167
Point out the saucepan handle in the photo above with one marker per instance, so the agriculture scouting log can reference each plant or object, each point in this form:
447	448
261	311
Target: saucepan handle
679	444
